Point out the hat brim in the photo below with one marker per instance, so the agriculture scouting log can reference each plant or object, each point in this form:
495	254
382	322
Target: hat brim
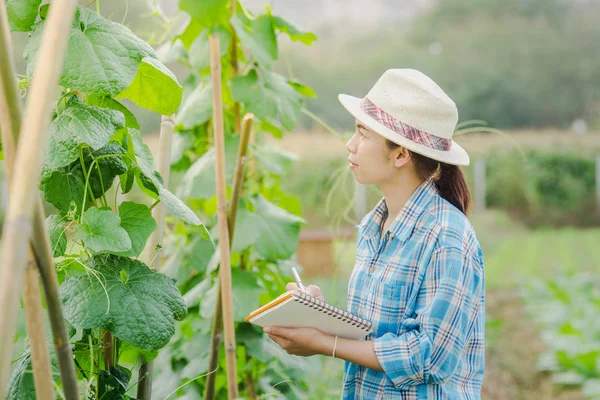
456	155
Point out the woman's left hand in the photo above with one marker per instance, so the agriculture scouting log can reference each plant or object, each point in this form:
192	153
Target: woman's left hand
301	341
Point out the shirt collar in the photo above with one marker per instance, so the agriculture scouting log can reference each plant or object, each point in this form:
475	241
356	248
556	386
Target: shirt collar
404	223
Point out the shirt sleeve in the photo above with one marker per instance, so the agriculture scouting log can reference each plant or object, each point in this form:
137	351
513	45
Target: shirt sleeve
430	342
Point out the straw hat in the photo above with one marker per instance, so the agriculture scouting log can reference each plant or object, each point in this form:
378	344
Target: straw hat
408	108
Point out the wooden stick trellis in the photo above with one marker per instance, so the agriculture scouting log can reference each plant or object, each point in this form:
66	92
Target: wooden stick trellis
10	119
225	269
238	182
24	203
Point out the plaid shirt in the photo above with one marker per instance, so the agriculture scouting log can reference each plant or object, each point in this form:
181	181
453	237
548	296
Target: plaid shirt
422	286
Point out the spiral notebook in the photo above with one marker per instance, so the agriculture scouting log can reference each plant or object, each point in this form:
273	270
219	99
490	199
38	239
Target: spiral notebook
295	309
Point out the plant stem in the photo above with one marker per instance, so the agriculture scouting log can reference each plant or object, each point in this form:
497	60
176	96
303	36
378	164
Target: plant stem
85	173
25	203
108	349
157	202
238	184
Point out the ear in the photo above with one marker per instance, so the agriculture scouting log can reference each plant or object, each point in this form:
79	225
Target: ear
401	157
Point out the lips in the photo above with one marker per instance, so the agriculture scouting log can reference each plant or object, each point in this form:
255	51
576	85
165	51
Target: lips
352	164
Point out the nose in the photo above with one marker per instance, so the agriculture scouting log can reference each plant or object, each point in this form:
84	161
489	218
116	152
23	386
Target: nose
351	144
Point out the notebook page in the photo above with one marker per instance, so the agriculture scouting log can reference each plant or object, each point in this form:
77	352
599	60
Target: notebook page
293	314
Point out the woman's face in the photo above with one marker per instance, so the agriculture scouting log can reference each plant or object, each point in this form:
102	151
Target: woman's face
371	161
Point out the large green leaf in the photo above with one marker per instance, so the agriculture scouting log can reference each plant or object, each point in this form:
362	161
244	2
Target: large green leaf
21	385
102	57
206	12
137	220
126	297
258	37
293	31
154	87
199	182
196	109
77	125
22	14
269	96
62	186
56	231
273	231
101	231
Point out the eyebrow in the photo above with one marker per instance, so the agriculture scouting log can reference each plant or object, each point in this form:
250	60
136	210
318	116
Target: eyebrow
361	126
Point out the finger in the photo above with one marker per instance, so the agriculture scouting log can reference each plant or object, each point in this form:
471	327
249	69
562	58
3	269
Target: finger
283	343
315	291
292	286
277	331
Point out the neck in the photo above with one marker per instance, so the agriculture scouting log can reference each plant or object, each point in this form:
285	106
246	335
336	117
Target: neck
397	193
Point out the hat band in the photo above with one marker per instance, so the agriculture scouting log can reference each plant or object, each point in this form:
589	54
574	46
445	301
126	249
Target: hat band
410	133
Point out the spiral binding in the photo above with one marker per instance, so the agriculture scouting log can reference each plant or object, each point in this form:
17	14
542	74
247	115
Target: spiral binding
330	309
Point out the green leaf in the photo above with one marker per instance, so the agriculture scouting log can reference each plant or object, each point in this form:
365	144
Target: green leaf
102	56
303	89
127	180
107	102
113	384
195	259
110	167
100	230
129	354
292	30
206	12
63	186
246	292
137	220
21	385
199	181
154	87
22	14
275	160
141	312
258	36
196	109
56	231
77	125
199	54
273	231
177	208
171	51
270	97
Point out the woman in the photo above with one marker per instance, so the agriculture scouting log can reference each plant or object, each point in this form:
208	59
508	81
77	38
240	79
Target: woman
419	267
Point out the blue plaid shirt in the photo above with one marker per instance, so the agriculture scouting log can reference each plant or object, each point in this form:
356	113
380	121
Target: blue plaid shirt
422	286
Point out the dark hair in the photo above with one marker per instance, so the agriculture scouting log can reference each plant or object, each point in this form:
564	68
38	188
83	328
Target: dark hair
449	179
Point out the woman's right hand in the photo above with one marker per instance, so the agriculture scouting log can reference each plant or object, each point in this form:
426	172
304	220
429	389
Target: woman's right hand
312	290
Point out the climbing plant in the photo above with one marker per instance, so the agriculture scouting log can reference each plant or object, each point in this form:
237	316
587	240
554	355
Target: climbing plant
119	310
268	220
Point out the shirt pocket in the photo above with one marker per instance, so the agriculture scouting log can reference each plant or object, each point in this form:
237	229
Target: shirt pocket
390	306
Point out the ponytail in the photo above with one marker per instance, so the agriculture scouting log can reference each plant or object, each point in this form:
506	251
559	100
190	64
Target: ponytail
449	179
452	186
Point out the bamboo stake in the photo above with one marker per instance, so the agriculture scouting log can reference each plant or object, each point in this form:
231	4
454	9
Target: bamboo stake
238	182
10	116
27	166
234	66
164	169
225	270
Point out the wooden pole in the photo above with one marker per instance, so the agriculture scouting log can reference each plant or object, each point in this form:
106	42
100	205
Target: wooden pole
164	169
234	67
27	166
238	183
225	270
10	117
